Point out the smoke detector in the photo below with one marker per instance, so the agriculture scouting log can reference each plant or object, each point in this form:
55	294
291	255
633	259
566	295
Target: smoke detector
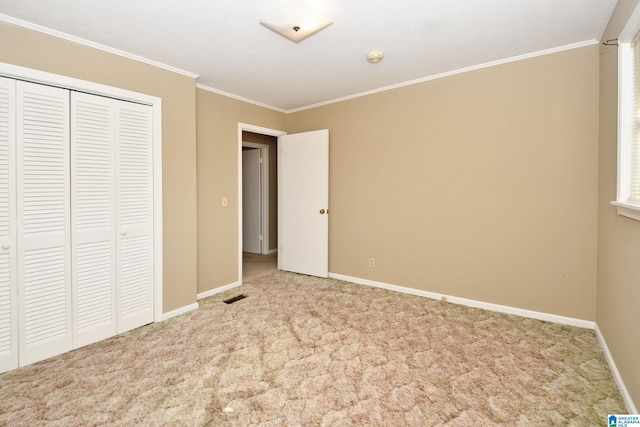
375	56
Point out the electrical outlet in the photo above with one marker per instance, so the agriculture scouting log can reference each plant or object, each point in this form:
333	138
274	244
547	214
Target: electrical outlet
372	262
224	202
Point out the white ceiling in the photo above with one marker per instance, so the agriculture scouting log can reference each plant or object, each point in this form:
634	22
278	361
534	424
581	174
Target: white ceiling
222	42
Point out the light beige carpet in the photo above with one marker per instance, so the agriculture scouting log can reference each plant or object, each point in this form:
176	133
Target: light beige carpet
307	351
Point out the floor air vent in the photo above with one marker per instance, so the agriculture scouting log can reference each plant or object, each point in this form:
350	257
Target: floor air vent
234	299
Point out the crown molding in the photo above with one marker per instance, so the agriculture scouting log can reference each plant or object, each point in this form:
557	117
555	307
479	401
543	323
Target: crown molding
240	98
410	82
88	43
451	73
65	36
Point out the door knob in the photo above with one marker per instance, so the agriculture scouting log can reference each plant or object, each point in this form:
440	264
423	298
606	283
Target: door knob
123	233
321	211
6	246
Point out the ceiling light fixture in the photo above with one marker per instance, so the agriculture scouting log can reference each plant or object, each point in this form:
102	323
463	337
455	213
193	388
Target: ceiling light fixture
375	56
295	20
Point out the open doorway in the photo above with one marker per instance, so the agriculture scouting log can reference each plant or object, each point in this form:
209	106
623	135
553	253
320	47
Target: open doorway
259	194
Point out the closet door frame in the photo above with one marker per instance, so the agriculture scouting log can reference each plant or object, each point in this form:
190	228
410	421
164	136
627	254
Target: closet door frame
8	235
36	76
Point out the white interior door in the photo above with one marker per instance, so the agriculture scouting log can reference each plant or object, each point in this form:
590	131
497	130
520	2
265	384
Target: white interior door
8	283
303	203
43	231
93	123
251	201
134	241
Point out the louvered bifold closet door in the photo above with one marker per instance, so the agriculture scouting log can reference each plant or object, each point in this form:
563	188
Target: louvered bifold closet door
135	215
43	233
93	239
8	289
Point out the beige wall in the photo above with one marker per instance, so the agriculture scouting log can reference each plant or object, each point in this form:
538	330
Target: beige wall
35	50
481	185
272	142
217	166
618	237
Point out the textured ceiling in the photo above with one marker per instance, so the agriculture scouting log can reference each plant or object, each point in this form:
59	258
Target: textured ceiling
222	42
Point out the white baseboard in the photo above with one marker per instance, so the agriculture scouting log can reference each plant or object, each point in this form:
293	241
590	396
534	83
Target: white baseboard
631	408
272	251
179	311
212	292
195	305
471	303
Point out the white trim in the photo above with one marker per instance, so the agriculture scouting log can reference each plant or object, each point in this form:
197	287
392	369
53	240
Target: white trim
254	129
264	181
259	129
88	43
451	73
37	76
219	290
628	210
79	40
626	112
239	98
631	408
158	252
470	303
272	251
179	311
625	129
407	83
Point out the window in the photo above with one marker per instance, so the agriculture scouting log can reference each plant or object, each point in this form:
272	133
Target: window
628	197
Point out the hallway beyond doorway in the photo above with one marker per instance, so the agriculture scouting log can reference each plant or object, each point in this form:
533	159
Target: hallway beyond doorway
255	265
